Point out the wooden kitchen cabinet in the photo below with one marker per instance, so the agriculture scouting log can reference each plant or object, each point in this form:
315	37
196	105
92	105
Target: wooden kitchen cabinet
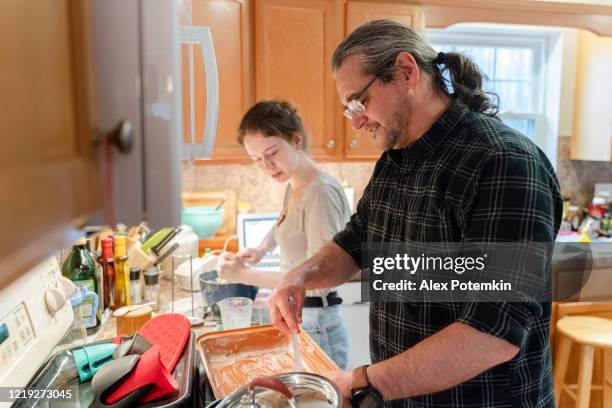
595	16
592	130
47	176
294	41
358	13
230	22
359	144
283	53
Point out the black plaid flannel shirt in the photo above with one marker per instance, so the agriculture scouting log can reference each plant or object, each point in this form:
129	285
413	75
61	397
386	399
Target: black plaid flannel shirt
469	178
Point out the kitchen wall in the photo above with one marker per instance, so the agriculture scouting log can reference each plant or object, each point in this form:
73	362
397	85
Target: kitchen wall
577	179
257	189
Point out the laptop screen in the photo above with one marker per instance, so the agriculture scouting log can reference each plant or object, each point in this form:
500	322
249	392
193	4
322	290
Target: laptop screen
252	228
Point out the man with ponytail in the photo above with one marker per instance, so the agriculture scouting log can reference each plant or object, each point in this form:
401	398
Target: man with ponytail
450	171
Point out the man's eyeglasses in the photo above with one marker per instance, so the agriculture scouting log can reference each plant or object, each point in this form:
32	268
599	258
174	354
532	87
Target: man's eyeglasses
355	108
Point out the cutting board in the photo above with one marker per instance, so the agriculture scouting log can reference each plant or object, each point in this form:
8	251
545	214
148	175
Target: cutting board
212	197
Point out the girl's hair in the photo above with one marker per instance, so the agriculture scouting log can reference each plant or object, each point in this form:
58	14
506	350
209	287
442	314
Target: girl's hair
379	42
273	118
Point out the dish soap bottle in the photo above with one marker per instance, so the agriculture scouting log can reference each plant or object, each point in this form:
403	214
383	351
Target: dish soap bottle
83	271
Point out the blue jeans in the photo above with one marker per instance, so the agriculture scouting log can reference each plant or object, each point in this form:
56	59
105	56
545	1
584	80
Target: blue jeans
326	327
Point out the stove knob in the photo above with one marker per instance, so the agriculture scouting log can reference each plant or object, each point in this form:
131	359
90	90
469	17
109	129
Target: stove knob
54	299
67	287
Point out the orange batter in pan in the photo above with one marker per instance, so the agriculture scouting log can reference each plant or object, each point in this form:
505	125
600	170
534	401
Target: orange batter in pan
236	359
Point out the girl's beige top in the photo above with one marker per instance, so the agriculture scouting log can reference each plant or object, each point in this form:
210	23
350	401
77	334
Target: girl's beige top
321	212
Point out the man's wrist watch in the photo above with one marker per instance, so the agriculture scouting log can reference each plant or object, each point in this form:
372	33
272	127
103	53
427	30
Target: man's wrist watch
363	394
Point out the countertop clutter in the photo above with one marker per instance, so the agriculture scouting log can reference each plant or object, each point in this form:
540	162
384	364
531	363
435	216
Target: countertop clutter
131	340
156	365
152	326
182	299
230	358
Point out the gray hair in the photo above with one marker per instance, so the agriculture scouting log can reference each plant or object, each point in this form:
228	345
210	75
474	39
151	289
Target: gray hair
378	42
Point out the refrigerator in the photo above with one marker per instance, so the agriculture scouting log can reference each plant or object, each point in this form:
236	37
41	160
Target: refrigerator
139	73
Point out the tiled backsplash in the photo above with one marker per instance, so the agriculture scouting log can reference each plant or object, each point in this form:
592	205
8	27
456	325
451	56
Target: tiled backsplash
577	179
260	191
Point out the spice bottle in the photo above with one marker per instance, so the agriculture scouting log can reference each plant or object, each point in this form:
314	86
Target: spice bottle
135	293
151	289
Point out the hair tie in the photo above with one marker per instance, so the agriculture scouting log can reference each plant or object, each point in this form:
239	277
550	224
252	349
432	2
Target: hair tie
440	58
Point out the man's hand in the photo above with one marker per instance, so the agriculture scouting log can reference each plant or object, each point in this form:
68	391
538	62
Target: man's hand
252	255
328	268
229	267
286	303
344	382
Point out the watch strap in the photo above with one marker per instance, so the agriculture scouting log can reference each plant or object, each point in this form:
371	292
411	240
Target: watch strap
360	377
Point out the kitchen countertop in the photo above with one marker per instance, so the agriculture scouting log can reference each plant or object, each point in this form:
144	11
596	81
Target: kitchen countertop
600	252
109	326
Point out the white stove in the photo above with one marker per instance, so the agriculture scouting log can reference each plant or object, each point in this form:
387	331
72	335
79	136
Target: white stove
35	313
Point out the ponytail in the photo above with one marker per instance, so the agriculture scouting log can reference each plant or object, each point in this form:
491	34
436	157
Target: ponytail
466	81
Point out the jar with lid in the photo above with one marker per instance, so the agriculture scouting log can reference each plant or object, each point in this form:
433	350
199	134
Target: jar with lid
151	289
135	292
575	216
598	207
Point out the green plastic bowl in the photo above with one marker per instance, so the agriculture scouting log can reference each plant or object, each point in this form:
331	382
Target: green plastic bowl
205	221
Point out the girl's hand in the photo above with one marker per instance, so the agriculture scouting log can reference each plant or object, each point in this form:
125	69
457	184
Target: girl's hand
251	255
229	266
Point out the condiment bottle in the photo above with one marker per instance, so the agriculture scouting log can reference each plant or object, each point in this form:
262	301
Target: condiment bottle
108	271
122	273
135	293
151	289
82	270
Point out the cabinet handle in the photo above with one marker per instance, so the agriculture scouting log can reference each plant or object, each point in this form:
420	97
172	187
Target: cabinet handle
331	144
353	144
121	136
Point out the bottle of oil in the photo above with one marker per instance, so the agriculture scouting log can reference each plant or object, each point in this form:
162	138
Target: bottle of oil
108	270
122	271
82	270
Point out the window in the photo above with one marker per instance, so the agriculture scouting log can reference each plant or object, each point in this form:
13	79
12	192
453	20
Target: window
514	62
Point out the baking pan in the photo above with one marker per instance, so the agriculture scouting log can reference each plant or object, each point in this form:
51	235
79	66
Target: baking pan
232	358
53	376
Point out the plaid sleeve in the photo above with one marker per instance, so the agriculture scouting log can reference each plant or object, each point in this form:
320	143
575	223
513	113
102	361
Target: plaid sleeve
516	199
509	321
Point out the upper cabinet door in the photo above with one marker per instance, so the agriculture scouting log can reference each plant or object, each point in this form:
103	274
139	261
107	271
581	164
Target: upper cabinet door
230	25
358	13
358	144
47	181
592	133
294	41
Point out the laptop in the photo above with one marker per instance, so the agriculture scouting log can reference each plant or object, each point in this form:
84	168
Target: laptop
252	228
